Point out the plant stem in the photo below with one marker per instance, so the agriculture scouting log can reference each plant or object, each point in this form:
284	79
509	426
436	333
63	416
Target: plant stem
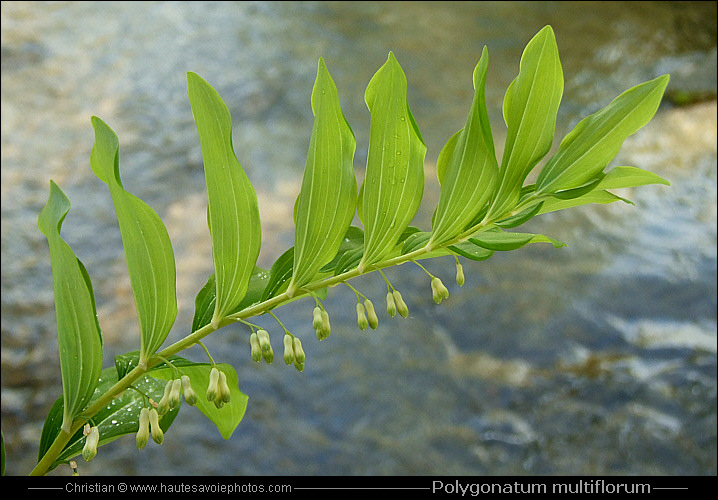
195	337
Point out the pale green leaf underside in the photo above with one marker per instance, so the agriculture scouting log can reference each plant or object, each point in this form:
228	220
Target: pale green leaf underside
445	156
230	415
415	241
117	419
627	177
596	140
471	251
600	196
468	169
530	107
520	218
78	331
498	240
148	250
233	211
616	178
327	199
394	181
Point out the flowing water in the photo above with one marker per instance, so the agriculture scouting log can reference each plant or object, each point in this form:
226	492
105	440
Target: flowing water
598	358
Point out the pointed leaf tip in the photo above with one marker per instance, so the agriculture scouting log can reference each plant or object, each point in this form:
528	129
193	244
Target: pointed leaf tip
530	108
57	207
104	158
148	250
233	209
394	180
78	331
597	139
327	199
467	167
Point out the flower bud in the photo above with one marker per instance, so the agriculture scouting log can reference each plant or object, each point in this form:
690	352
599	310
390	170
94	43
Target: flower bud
317	319
443	290
371	314
288	349
459	274
390	304
435	294
224	393
361	317
400	304
175	392
143	433
212	388
189	395
256	349
326	329
164	404
91	441
263	337
268	355
325	323
299	356
439	291
157	434
267	352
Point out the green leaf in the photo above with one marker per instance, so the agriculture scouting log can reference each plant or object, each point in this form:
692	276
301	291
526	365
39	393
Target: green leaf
616	178
520	218
230	415
148	250
626	177
569	194
349	260
530	107
204	303
498	240
227	418
279	274
118	418
124	363
394	181
471	251
596	140
233	210
468	169
445	155
327	199
415	241
412	238
595	196
353	239
78	330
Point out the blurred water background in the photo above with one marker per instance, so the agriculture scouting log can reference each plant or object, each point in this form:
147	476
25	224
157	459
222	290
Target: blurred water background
599	358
